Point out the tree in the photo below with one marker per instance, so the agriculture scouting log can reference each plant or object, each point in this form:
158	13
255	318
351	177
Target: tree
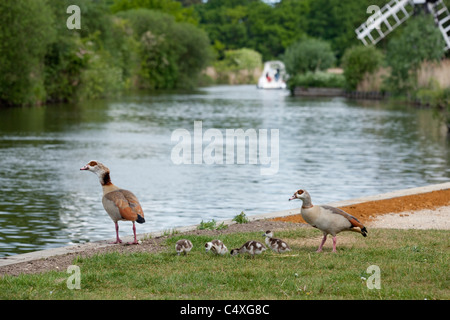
336	21
25	32
254	24
174	8
419	40
308	55
359	60
93	62
172	54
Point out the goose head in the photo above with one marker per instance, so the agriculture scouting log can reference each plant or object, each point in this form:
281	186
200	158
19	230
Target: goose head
100	170
300	194
208	246
268	234
96	167
234	252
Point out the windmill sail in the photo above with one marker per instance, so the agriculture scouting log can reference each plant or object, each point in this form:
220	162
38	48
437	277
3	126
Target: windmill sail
442	19
384	21
394	13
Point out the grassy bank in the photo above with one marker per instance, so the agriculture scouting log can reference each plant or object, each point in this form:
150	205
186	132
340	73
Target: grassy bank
413	263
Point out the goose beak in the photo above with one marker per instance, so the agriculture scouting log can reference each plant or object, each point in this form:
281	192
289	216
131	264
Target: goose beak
292	198
85	168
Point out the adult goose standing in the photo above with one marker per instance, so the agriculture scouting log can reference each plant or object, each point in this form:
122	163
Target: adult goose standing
328	219
120	204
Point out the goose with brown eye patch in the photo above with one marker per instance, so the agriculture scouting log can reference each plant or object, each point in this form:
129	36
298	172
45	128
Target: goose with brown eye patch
328	219
120	204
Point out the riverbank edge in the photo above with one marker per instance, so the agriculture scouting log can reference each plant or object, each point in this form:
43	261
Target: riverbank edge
43	254
311	92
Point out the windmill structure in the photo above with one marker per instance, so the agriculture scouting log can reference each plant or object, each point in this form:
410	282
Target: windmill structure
394	13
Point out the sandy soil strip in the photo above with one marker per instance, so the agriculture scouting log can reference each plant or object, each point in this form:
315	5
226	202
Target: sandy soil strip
438	218
430	210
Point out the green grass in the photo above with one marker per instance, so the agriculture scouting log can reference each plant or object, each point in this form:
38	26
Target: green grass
241	218
414	264
211	225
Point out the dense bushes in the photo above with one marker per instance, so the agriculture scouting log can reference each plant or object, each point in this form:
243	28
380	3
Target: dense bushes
171	7
240	59
359	61
42	60
172	54
308	55
163	44
317	79
238	67
304	61
25	31
420	40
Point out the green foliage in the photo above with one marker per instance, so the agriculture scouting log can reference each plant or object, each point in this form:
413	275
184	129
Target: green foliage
241	66
439	99
172	54
42	60
94	62
64	62
25	32
241	218
419	41
100	79
174	8
240	59
156	44
211	225
253	24
271	28
317	79
336	21
308	55
359	60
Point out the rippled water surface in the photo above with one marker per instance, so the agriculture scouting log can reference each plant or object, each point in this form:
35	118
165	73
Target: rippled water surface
335	148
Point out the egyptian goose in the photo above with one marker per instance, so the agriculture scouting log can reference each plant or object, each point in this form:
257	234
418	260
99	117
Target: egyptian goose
276	245
120	204
183	245
216	246
251	247
329	220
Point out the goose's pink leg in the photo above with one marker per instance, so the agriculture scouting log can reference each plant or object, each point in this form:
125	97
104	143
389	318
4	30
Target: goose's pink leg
322	243
117	234
134	231
334	244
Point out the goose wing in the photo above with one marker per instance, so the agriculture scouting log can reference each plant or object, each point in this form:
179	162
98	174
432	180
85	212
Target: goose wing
127	204
353	220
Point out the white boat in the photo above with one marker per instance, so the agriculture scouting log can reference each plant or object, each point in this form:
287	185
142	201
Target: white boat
273	76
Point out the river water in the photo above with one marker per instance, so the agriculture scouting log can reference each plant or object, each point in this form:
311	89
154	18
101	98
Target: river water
335	148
